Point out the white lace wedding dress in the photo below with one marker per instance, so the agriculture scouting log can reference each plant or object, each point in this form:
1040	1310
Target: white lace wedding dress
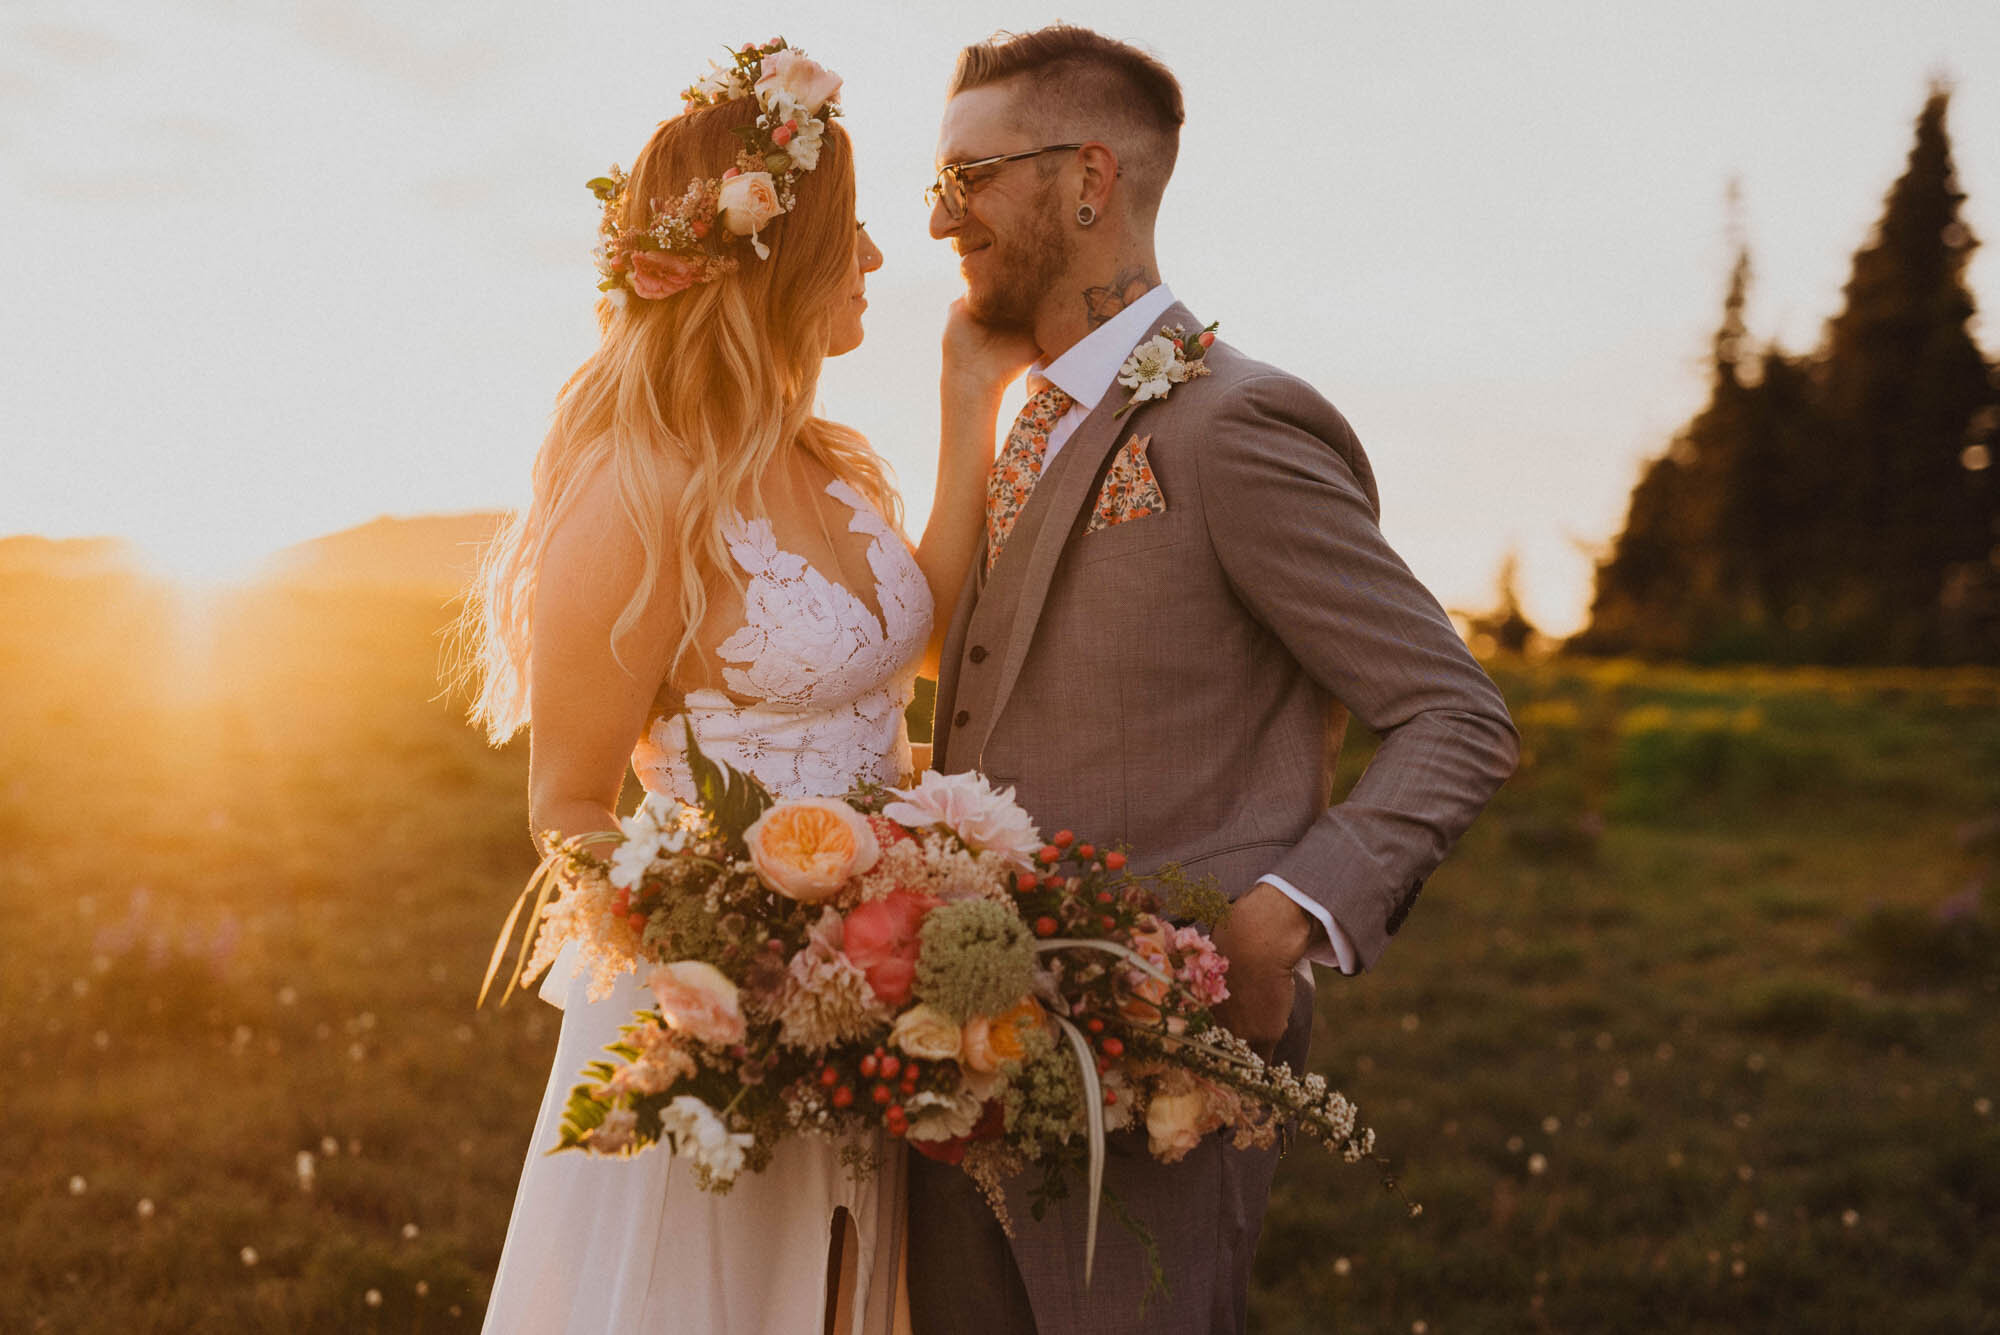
616	1246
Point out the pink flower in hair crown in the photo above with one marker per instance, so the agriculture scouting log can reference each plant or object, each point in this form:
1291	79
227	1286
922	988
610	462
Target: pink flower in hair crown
655	274
793	83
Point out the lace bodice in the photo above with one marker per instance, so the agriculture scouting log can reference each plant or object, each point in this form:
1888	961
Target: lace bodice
826	678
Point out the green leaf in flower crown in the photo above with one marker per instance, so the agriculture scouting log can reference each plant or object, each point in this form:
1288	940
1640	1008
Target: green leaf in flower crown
733	800
778	163
601	186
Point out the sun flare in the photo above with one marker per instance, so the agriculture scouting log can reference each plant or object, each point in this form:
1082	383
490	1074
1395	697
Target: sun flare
212	561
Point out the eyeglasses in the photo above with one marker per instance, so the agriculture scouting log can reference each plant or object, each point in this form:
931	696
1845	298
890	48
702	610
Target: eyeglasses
954	190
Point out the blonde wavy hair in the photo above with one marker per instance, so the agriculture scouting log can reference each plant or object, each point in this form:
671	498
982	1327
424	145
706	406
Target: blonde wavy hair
720	378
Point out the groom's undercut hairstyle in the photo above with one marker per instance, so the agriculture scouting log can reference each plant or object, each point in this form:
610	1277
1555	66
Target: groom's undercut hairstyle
1076	84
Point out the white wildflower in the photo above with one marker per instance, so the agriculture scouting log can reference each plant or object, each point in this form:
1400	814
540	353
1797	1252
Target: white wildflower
935	1116
698	1134
804	143
657	827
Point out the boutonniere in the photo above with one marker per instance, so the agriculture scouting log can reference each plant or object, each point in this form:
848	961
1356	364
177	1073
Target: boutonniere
1163	361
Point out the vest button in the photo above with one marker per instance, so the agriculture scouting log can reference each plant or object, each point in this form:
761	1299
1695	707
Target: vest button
977	653
960	719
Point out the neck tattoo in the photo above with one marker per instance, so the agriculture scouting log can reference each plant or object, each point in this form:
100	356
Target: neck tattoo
1101	303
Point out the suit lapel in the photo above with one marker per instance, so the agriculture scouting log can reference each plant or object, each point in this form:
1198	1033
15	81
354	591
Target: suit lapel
1017	587
1010	604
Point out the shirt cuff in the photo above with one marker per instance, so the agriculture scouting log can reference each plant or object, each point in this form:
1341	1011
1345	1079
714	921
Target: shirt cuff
1338	952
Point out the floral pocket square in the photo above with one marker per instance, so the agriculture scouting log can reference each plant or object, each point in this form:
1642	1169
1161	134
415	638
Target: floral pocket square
1130	489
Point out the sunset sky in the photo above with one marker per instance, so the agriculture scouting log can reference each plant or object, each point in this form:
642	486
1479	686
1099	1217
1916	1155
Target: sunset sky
275	269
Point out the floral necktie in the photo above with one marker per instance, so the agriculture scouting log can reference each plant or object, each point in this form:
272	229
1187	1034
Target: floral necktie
1019	466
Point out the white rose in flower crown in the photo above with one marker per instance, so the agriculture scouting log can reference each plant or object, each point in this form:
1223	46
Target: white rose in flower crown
926	1033
747	201
967	805
809	848
698	999
792	84
804	143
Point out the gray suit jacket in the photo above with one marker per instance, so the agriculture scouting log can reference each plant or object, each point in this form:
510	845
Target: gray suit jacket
1180	682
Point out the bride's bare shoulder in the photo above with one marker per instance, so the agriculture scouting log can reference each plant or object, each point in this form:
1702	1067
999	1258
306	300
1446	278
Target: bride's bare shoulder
596	526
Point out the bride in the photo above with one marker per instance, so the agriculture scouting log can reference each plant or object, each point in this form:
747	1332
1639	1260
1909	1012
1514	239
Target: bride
702	549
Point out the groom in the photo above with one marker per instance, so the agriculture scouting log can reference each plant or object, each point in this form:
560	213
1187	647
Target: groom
1174	611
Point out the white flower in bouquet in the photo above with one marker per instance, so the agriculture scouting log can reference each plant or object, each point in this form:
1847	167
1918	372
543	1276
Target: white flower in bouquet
1175	1123
935	1116
658	827
699	1135
967	805
926	1033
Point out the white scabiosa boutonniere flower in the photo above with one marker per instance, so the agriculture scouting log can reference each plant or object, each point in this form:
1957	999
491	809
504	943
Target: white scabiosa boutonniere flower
1168	358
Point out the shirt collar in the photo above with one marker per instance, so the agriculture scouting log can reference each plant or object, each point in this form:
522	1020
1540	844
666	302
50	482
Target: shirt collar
1086	371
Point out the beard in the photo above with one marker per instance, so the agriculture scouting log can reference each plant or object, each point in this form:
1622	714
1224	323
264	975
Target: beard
1026	266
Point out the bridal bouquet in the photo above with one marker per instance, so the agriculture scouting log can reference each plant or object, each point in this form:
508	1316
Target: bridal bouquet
914	959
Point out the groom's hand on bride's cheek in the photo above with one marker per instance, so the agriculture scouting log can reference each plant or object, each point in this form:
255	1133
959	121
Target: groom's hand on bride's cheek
1265	936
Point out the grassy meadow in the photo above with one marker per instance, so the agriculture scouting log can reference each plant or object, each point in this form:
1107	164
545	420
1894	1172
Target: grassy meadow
1696	1032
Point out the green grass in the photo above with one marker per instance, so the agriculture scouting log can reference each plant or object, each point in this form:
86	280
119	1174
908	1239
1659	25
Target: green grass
1696	1032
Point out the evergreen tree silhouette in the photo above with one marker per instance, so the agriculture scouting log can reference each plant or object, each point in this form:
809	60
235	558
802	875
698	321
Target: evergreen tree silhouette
1672	583
1901	386
1838	508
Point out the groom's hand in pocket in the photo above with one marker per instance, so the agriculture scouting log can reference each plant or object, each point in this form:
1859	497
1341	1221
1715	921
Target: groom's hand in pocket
1265	937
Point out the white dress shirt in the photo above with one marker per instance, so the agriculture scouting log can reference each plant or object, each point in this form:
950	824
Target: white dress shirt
1086	372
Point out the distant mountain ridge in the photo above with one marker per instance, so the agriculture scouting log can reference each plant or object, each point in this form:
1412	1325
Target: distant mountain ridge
434	553
423	553
31	554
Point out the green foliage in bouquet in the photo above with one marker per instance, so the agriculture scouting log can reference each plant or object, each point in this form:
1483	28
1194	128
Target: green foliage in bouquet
733	800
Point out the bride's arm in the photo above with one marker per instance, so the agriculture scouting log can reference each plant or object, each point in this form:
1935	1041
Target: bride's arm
589	705
979	363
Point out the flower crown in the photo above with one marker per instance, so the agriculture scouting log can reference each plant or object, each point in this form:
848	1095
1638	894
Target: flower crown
695	238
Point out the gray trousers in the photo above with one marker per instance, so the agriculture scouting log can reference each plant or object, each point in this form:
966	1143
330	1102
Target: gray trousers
968	1278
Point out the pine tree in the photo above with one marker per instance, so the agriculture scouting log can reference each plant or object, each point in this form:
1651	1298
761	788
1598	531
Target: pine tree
1672	584
1901	384
1840	508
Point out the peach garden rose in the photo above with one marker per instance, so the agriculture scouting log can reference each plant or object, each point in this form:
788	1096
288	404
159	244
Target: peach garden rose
809	848
1174	1124
748	200
699	1000
990	1040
